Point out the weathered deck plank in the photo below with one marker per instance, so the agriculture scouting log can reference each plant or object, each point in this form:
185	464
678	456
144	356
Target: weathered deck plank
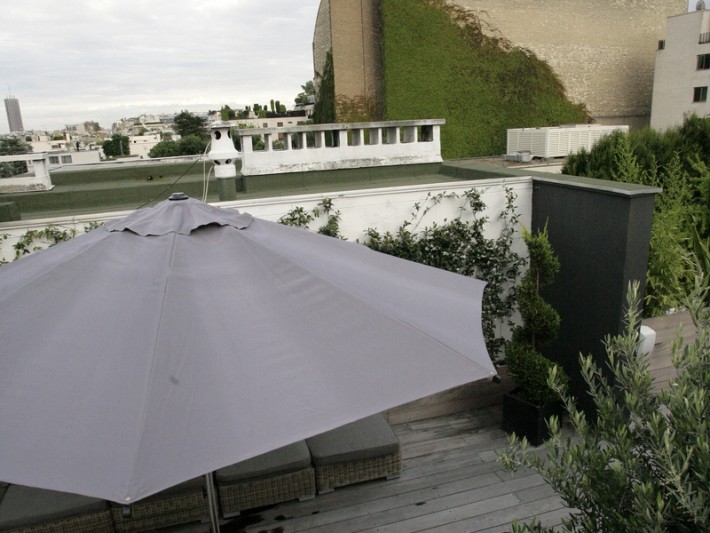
667	328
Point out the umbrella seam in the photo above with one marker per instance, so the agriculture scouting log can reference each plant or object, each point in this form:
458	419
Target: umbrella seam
129	497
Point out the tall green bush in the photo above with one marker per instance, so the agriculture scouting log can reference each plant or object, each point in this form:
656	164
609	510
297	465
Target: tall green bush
324	107
540	323
13	145
678	161
440	61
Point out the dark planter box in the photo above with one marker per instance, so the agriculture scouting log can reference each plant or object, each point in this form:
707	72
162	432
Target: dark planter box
526	419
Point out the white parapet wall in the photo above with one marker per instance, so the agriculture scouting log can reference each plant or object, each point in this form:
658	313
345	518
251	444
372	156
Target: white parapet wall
382	209
557	141
337	146
40	181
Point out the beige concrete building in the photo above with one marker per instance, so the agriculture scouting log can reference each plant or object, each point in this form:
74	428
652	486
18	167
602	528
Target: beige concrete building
602	50
682	74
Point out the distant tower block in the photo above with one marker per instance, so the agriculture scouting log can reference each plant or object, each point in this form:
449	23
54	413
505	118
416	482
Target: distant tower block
14	117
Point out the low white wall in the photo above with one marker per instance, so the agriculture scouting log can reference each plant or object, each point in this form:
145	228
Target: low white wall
383	209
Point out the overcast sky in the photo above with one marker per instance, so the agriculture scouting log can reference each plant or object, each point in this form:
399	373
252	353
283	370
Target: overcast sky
74	60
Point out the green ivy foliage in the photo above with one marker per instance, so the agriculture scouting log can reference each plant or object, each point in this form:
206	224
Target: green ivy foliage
300	218
643	462
324	108
35	240
440	62
460	245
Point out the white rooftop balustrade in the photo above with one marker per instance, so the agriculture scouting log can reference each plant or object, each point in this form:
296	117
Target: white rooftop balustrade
338	146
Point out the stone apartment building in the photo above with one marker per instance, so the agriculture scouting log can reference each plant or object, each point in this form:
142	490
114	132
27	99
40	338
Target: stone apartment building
602	50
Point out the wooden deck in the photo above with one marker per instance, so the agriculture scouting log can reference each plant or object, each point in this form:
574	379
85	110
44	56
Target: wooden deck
450	482
667	328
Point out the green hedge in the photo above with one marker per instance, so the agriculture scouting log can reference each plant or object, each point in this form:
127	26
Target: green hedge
436	68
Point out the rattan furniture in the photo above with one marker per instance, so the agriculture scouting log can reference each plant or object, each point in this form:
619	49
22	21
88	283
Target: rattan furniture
182	504
360	451
32	510
277	476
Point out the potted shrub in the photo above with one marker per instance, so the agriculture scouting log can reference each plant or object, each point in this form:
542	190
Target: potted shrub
527	408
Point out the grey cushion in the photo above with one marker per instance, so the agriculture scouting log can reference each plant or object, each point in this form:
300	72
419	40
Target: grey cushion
23	506
363	439
281	461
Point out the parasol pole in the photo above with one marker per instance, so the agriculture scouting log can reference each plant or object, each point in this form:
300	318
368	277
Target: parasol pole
212	502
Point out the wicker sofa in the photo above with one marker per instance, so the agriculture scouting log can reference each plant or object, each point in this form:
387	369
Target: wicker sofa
361	451
274	477
31	510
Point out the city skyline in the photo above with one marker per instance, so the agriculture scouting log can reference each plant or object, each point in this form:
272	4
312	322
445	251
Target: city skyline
104	61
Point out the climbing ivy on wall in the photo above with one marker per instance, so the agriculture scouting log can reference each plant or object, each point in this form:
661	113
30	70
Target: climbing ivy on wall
34	240
324	108
441	61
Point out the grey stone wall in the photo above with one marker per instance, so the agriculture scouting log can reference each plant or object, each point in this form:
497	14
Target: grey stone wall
602	50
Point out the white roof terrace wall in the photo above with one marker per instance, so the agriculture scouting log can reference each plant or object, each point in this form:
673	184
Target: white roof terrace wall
383	209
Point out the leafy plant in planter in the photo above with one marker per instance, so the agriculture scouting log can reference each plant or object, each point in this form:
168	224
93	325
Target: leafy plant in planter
527	408
642	461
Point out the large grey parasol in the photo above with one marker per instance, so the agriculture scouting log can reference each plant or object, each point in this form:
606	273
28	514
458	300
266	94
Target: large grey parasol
184	338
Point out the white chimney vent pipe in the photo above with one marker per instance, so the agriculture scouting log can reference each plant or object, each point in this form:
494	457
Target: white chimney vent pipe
222	152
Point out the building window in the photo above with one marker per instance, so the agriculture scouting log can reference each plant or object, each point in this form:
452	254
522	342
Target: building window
700	94
704	62
67	158
704	38
662	44
53	160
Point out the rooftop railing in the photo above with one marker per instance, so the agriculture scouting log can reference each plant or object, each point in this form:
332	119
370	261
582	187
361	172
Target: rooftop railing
331	146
